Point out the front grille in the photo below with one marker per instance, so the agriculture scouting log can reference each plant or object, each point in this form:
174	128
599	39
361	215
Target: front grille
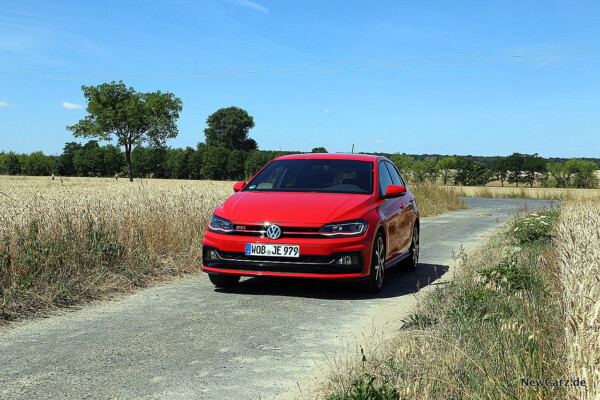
286	231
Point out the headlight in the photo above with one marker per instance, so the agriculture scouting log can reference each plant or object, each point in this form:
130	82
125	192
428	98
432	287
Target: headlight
345	229
220	225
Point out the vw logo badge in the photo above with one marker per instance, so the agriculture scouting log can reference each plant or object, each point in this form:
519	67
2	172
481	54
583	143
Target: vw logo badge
273	232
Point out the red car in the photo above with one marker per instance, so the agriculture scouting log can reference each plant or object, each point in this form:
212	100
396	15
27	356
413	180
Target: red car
321	216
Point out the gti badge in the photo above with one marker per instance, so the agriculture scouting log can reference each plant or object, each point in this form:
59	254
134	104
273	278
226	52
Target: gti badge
273	232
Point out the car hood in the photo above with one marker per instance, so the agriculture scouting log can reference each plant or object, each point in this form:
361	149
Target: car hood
303	208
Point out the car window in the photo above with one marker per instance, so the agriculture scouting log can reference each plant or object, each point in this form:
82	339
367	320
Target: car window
396	178
384	178
315	175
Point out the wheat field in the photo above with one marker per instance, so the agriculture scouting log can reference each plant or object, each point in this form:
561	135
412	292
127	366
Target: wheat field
524	193
74	239
578	244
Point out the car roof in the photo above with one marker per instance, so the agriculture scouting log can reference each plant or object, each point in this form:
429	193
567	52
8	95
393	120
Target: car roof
331	156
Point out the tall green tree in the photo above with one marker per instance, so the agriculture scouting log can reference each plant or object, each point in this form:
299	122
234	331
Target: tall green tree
228	128
114	110
319	150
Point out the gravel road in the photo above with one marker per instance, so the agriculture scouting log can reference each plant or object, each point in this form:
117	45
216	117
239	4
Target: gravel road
184	339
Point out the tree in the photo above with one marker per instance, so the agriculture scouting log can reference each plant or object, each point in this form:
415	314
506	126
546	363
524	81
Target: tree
132	117
560	176
463	170
446	166
255	161
584	173
403	162
228	128
112	159
431	170
419	171
150	161
319	150
3	167
479	174
534	166
13	164
89	159
37	164
515	165
214	164
236	164
65	160
499	169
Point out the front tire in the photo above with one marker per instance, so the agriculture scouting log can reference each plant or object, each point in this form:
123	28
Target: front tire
374	282
223	281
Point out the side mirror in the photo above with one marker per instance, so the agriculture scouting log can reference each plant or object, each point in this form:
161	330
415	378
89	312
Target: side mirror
395	191
239	186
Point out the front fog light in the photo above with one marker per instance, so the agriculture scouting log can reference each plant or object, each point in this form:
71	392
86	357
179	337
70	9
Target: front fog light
347	260
211	254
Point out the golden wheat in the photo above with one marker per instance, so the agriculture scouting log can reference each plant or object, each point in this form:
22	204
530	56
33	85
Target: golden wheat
172	214
578	245
525	193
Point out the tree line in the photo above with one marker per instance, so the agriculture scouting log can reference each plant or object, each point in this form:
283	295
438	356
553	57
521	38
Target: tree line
224	163
518	169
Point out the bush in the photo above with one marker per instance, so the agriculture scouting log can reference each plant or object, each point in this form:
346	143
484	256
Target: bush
534	227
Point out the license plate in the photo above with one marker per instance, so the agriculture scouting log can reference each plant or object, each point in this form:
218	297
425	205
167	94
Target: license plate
272	250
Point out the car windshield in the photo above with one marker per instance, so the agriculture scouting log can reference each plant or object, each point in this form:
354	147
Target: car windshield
315	175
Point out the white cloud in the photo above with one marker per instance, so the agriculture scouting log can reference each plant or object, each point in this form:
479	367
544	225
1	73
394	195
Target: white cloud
5	104
326	110
373	140
71	106
250	4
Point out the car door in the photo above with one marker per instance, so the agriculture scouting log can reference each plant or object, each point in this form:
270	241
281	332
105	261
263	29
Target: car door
407	210
391	212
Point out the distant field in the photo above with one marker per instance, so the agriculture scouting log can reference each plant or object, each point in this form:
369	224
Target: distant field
525	193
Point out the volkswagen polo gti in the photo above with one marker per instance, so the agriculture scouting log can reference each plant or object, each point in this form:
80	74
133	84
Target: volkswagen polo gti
321	216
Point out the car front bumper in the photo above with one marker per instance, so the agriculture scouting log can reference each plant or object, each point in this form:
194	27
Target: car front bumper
225	254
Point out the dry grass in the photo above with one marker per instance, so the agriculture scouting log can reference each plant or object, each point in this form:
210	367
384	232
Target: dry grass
434	200
524	193
578	245
65	241
473	338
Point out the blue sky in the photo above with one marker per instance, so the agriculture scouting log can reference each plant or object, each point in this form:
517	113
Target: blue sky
549	104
